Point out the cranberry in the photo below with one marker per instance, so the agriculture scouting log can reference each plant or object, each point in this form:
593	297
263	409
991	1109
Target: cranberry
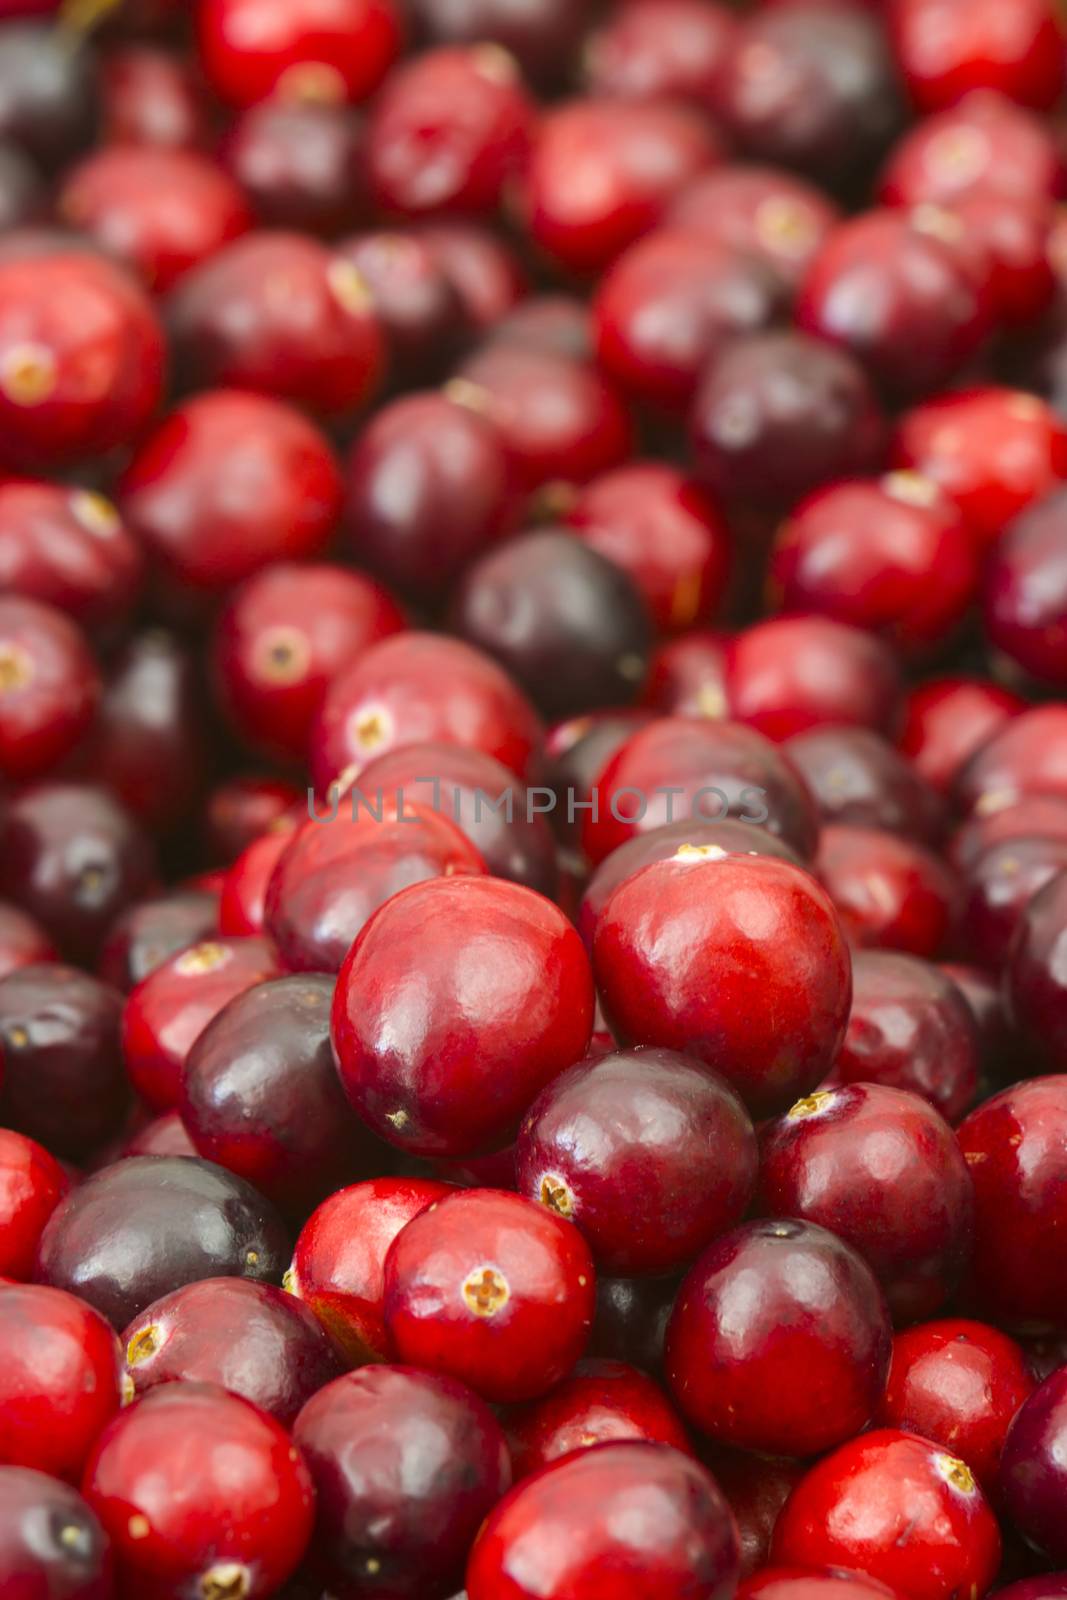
1053	1584
984	145
152	99
482	268
136	1231
417	687
51	1544
985	998
312	50
243	809
68	548
992	451
778	414
890	893
1024	759
190	1483
381	1527
1035	978
855	776
417	305
32	1183
603	172
170	1008
648	49
153	930
1026	592
248	1337
1013	240
228	483
811	1583
946	48
576	752
762	212
460	1083
49	687
571	1529
631	1320
787	675
947	719
558	322
773	1020
301	164
242	903
756	1488
163	1136
1032	1474
338	1266
1014	1145
1000	888
49	95
540	33
23	943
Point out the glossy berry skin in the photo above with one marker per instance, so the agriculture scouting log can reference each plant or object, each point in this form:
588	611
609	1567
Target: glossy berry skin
244	890
492	1289
946	720
138	1230
985	145
163	1136
569	1533
417	305
881	1169
773	1020
49	687
251	50
602	1402
788	674
32	1183
301	164
1032	816
648	50
853	1508
779	1340
1053	1584
945	49
756	1488
1014	1146
338	1265
250	1338
384	1525
890	893
760	211
1032	1467
240	811
1026	593
198	1488
60	1379
51	1545
1034	976
1026	758
151	931
430	1063
959	1384
69	549
648	1152
855	776
813	1583
1000	887
483	268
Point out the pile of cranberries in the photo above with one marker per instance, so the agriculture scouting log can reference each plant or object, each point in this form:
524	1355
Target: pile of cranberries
533	800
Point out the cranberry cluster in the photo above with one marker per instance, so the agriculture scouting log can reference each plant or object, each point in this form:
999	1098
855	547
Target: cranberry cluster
533	800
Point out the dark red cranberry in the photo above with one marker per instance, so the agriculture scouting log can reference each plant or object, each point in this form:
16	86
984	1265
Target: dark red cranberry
558	322
571	1530
1033	1474
999	889
985	997
48	92
247	1337
151	931
631	1320
51	1544
1035	977
541	34
762	212
787	675
648	1152
417	687
603	172
947	719
1049	1587
958	1384
602	1402
152	98
687	677
459	1084
23	943
417	305
1014	1145
68	548
947	47
32	1183
309	50
242	903
22	192
302	164
898	295
200	1491
338	1266
756	1488
227	484
149	1224
170	1008
1025	759
984	145
648	49
890	893
900	1510
243	809
380	1527
576	752
909	1214
778	414
163	1136
49	687
458	495
483	268
1026	592
855	776
779	1341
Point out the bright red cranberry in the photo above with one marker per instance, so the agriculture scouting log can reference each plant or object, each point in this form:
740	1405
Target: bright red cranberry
756	1488
776	1014
68	548
603	172
49	94
648	49
763	212
999	890
857	777
1035	977
380	1527
242	903
151	931
985	144
778	414
459	1084
309	50
152	99
417	687
881	1169
248	1337
1014	1145
227	484
958	1384
947	47
602	1402
993	451
898	1508
890	893
541	34
301	164
947	719
243	809
32	1183
1026	592
1026	759
137	1230
1033	1473
492	1289
1012	238
484	269
338	1266
49	687
200	1491
787	675
417	305
51	1544
779	1340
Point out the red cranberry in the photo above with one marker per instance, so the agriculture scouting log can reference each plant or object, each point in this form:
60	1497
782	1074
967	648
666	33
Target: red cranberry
492	1289
947	719
1025	759
149	1224
541	34
855	776
765	213
32	1183
787	675
68	548
51	1544
764	1304
756	1488
1013	240
243	809
999	890
984	145
946	48
382	1528
1033	1475
163	1136
310	50
249	1338
49	687
301	164
1035	977
152	99
482	267
558	322
1026	592
460	1085
227	484
576	752
338	1266
993	451
190	1483
879	1168
417	687
985	998
146	935
242	903
773	1020
958	1384
603	172
651	49
1049	1587
416	303
890	893
602	1402
1014	1145
49	94
778	414
649	1153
